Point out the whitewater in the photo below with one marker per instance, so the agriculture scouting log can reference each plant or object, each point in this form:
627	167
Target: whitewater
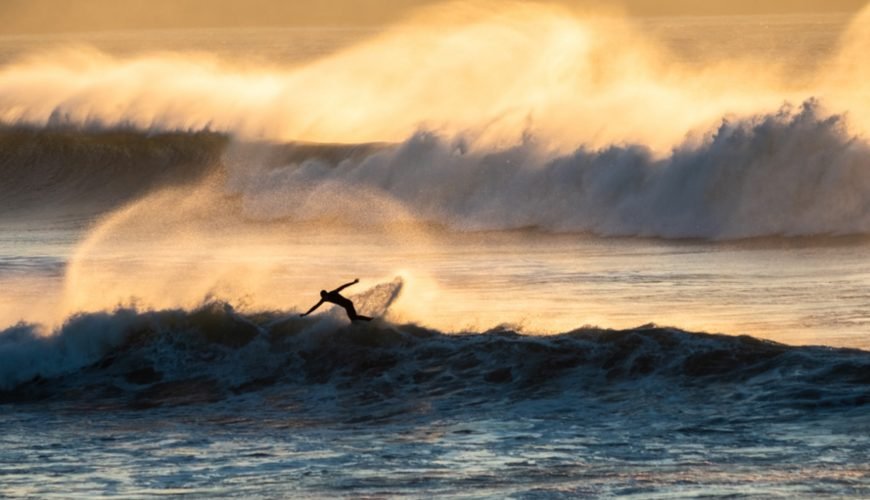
606	256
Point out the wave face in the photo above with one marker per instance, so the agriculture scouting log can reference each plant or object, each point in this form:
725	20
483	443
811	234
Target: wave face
50	170
173	357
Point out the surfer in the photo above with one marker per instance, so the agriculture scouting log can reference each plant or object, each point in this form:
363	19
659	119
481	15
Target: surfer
336	298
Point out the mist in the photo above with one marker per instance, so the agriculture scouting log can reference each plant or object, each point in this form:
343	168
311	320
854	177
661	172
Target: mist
528	70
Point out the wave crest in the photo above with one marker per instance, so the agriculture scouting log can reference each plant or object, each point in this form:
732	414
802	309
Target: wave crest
176	357
796	172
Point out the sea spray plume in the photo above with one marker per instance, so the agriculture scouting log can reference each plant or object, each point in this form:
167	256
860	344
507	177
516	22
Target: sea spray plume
790	173
492	71
793	172
147	255
207	246
845	79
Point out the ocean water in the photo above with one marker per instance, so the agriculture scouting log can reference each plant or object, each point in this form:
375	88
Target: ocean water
628	259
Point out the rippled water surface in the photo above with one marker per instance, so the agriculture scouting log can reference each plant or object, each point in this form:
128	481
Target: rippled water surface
641	446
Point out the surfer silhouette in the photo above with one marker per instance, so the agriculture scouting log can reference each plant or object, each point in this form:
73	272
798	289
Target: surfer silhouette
338	299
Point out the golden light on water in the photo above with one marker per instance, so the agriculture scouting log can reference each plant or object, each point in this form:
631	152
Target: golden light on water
581	251
487	76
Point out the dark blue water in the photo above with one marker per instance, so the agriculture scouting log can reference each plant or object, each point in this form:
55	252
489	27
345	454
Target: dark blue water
216	403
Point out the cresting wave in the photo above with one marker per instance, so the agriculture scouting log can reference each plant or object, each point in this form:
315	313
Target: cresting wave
67	169
796	172
172	357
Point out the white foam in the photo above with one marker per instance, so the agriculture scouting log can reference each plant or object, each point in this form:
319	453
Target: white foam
793	172
26	351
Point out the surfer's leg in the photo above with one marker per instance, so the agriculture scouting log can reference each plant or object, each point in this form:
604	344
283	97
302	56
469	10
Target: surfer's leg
351	312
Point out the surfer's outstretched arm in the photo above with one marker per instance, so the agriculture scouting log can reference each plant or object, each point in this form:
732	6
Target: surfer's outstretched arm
313	308
342	287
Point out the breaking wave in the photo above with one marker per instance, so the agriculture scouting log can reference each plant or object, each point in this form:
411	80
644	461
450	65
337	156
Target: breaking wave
171	357
797	172
792	173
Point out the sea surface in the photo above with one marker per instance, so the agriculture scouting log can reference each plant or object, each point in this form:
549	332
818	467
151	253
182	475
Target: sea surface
607	318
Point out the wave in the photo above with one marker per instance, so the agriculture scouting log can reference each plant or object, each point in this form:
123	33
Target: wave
796	172
172	357
90	171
